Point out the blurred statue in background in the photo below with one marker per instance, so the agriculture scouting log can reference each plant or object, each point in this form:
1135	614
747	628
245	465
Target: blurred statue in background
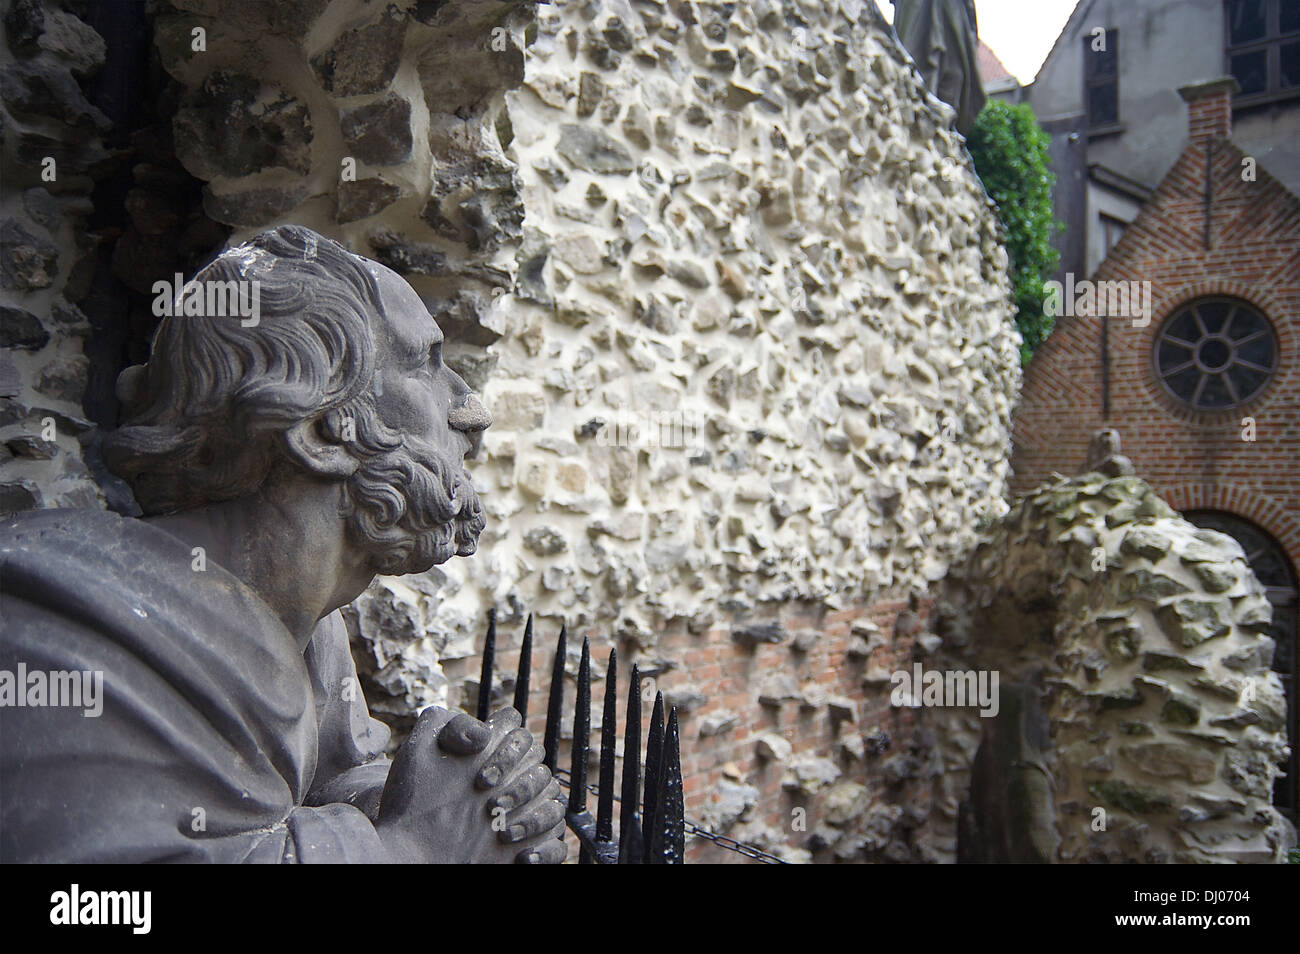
943	38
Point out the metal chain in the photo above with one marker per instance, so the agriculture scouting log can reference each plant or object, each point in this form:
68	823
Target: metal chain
730	844
722	841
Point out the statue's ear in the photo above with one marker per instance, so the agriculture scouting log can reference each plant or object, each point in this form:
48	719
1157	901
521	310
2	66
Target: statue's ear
315	454
130	385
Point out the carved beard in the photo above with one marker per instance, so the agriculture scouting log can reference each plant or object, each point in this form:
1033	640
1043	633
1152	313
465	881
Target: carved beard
413	508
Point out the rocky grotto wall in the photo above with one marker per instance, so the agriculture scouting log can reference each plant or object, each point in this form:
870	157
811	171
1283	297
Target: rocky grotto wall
727	283
51	147
1140	720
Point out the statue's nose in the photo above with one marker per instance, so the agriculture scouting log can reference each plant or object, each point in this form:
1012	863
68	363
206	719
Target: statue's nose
470	415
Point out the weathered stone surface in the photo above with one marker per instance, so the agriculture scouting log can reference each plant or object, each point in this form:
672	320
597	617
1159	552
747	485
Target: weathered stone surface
755	634
809	774
42	89
773	748
594	150
21	329
18	496
27	261
1140	800
716	723
545	541
71	41
64	379
1155	644
252	207
364	198
365	59
1189	622
234	125
378	133
407	257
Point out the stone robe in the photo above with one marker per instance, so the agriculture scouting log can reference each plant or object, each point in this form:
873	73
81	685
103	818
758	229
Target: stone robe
218	740
941	36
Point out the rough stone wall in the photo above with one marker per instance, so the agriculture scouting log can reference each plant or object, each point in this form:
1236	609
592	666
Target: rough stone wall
51	149
746	225
1139	638
751	234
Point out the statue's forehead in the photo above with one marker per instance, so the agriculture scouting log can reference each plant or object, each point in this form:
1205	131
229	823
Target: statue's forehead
408	319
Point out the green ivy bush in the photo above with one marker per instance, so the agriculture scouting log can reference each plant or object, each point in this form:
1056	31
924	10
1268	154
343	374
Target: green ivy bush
1010	153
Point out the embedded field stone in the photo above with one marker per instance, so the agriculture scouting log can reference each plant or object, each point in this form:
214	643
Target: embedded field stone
1145	541
1138	799
755	634
364	198
1173	760
590	91
252	207
407	257
235	125
27	262
64	379
579	252
718	722
773	748
365	59
11	380
518	410
1188	621
378	133
16	496
1149	585
21	329
45	90
594	150
685	698
72	41
31	447
24	24
545	541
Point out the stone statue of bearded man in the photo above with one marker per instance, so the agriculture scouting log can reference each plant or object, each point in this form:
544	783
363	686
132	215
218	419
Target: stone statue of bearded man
281	461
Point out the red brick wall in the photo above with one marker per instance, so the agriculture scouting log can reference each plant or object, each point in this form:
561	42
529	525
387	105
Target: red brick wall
729	674
1192	459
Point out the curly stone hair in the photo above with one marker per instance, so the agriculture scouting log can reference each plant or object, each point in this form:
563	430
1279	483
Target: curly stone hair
204	414
207	411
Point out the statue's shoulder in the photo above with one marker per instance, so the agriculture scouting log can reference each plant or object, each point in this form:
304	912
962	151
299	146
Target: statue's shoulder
84	536
59	520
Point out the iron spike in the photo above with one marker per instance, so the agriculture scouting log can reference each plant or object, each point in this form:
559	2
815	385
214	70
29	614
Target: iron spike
485	674
525	671
555	704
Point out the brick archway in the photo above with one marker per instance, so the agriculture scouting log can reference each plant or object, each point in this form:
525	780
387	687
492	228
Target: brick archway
1267	514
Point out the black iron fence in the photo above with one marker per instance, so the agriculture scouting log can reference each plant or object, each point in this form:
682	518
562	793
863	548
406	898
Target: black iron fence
652	823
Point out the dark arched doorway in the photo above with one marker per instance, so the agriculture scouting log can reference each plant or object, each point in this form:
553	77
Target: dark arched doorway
1273	569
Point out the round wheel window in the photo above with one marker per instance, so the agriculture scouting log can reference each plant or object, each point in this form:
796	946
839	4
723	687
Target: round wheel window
1215	354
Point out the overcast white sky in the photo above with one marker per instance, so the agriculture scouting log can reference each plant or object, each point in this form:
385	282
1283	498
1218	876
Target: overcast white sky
1020	32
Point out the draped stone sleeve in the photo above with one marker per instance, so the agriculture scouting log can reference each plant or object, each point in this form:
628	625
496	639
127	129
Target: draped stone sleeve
941	36
351	767
206	741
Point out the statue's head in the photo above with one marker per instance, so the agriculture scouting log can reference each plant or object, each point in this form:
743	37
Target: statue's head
338	376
